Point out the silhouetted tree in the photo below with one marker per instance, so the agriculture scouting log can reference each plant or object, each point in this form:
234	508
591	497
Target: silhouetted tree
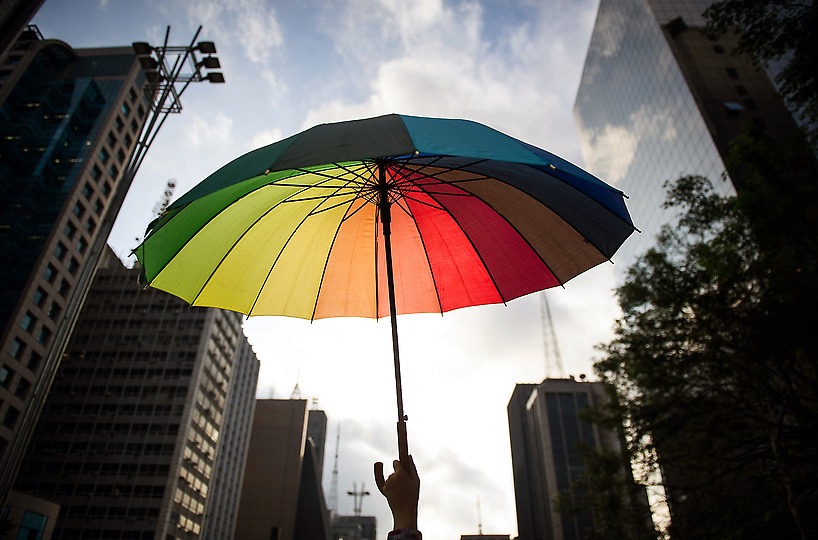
714	358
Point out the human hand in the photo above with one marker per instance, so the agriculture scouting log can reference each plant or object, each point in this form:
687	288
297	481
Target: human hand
402	491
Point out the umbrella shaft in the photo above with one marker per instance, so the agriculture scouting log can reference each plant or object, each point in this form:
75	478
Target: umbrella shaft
386	216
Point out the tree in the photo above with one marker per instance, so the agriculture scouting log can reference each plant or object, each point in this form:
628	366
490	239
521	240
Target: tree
714	360
775	30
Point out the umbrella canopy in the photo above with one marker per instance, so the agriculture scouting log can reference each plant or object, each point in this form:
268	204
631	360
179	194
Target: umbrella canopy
477	217
383	216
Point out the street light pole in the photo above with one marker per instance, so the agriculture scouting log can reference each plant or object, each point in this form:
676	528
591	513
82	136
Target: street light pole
169	70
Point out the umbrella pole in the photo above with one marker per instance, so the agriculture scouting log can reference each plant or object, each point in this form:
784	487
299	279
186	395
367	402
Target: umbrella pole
386	220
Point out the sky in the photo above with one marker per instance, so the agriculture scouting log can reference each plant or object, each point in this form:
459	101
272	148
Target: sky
513	65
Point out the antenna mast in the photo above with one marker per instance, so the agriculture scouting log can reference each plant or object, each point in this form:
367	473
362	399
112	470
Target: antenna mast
358	497
333	491
552	351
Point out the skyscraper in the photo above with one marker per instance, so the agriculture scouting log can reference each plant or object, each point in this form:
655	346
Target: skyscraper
545	434
69	120
148	414
282	497
658	100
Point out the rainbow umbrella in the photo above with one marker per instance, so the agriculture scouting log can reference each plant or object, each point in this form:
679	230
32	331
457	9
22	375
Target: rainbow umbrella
383	216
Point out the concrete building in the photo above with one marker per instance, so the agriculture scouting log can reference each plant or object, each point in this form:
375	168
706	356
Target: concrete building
29	517
658	100
69	121
150	397
354	528
282	497
544	431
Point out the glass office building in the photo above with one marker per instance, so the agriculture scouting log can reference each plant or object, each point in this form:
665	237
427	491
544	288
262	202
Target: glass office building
640	123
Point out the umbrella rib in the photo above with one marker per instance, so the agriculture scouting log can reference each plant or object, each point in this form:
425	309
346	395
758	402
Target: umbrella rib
209	220
559	280
213	272
476	251
278	256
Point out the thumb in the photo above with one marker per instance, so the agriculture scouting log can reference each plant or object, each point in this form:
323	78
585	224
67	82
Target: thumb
379	481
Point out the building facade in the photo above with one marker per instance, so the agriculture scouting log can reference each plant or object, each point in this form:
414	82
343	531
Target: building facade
151	394
658	100
638	121
545	434
282	497
69	121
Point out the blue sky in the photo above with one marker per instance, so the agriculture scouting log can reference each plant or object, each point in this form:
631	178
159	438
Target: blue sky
514	65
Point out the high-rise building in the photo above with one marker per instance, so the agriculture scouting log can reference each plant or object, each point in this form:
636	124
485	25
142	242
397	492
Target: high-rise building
546	434
69	121
148	416
282	497
14	16
658	100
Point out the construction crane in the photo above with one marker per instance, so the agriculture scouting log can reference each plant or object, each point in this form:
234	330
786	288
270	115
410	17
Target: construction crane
550	347
333	490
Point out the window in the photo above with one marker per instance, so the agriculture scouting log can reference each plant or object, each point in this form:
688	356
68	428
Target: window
740	90
95	172
6	375
134	126
73	265
38	297
111	139
87	190
82	245
126	110
119	123
90	226
106	189
17	348
50	273
54	311
132	94
140	111
23	386
28	322
120	156
718	49
32	526
44	335
11	417
59	250
104	155
128	140
114	172
64	288
69	230
99	208
79	210
732	73
34	361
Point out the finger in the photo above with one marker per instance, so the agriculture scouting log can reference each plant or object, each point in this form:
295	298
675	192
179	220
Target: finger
379	481
397	465
408	464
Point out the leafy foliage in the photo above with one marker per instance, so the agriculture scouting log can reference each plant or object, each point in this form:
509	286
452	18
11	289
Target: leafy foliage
714	359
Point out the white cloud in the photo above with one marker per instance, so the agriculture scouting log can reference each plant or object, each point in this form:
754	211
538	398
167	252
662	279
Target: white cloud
252	23
263	138
208	130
